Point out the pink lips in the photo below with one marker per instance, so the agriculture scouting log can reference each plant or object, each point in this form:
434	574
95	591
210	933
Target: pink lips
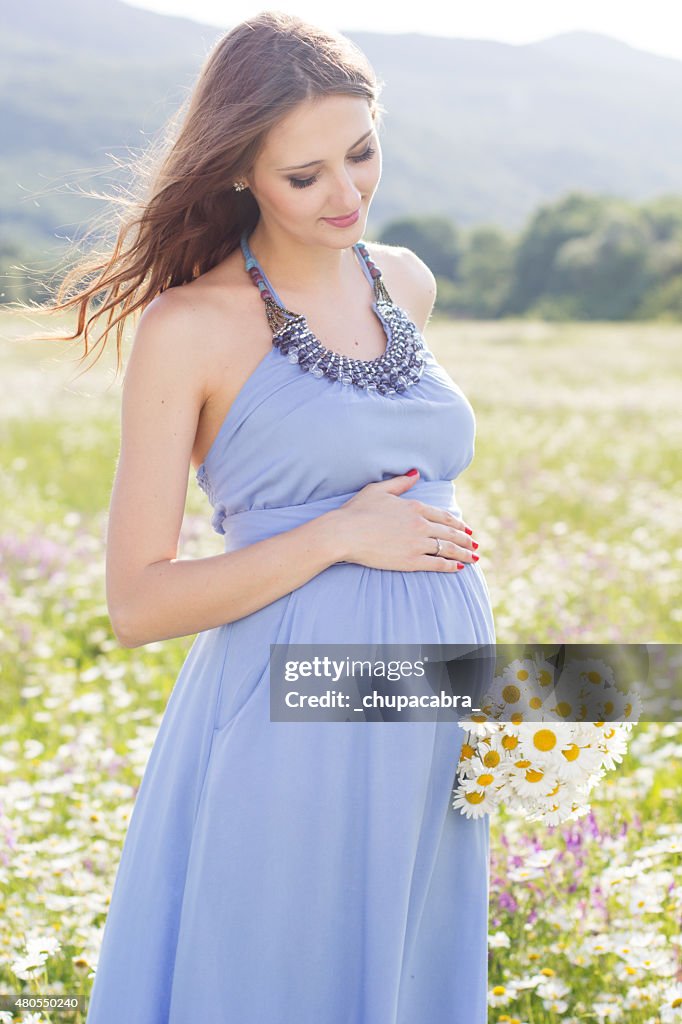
343	222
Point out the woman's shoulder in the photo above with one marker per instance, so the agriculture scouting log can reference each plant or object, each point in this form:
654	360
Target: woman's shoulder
409	281
193	324
223	286
217	291
399	260
217	300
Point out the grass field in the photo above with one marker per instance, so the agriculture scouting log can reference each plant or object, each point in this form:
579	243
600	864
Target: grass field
574	493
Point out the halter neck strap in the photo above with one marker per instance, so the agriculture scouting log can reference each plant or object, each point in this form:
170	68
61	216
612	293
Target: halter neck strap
363	262
252	263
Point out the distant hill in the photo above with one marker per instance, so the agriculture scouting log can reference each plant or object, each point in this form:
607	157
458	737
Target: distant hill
479	131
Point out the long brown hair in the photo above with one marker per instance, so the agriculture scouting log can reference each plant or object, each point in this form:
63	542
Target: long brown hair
182	216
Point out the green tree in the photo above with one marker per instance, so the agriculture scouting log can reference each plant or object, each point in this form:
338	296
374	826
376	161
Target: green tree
573	216
485	271
663	215
434	239
663	302
605	273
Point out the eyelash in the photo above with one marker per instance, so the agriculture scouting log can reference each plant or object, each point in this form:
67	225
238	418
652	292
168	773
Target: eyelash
304	182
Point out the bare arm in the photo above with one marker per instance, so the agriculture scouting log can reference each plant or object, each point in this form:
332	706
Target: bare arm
151	594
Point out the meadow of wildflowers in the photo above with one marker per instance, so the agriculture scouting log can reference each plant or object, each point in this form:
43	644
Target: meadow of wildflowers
574	496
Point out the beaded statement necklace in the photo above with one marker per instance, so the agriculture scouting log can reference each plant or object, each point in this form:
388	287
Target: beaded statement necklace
396	369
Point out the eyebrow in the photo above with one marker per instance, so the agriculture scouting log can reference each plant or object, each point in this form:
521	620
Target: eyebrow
311	163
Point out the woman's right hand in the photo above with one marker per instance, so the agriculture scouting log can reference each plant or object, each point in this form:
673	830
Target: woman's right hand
382	530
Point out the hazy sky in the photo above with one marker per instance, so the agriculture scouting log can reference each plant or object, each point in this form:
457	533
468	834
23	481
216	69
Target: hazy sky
655	26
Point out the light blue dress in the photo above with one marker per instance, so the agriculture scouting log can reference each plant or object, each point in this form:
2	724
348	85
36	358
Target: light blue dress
309	872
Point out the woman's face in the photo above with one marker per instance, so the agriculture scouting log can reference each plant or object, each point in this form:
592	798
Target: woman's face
321	161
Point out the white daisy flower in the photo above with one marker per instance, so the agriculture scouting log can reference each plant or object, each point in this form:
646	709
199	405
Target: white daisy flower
541	758
473	801
670	1009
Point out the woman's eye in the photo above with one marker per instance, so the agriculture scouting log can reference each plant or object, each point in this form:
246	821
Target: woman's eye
302	182
305	182
367	155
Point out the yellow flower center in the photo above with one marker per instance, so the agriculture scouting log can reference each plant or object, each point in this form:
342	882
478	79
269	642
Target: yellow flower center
544	739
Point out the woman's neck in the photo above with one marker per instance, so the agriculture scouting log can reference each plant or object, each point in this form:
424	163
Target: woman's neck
298	267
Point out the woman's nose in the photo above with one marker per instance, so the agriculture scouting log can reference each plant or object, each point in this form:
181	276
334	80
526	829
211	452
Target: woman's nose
345	195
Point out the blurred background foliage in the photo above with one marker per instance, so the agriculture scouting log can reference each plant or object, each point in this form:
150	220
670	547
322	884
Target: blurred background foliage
538	180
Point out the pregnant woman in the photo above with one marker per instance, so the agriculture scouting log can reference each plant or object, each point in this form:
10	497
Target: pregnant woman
287	872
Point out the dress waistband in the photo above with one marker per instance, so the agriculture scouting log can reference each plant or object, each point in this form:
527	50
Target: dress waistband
252	525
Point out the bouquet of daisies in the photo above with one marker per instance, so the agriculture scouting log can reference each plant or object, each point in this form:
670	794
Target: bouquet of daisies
542	755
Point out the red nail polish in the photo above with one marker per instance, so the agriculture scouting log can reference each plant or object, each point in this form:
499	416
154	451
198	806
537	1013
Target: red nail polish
467	530
474	544
412	472
460	565
475	558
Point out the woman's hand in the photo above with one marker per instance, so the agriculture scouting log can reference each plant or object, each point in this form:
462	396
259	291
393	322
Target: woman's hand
380	529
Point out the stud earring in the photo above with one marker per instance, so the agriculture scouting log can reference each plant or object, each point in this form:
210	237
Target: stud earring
239	186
